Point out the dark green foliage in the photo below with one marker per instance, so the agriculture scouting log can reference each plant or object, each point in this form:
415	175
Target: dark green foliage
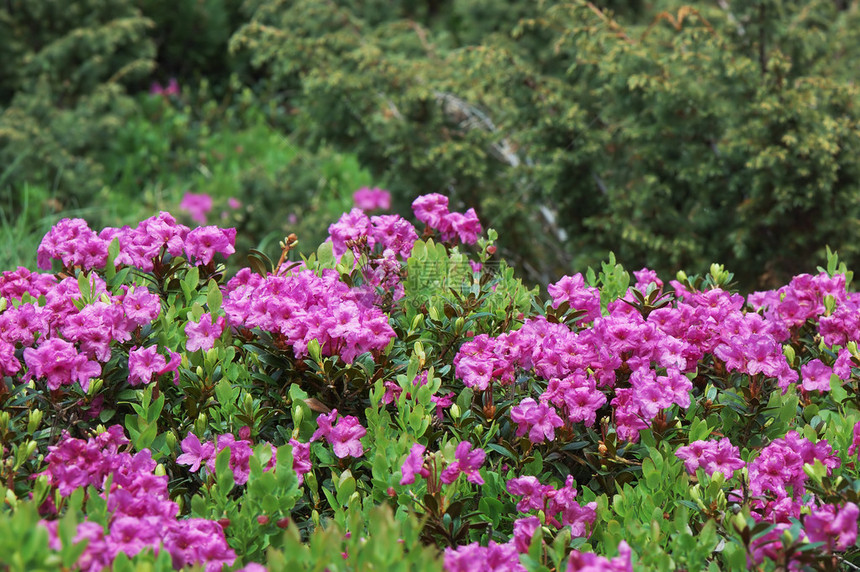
63	74
191	37
674	135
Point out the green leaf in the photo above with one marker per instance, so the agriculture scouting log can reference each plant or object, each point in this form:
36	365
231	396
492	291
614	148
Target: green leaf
223	472
345	487
213	297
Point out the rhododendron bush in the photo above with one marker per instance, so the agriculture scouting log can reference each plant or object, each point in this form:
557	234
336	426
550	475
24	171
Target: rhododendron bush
400	399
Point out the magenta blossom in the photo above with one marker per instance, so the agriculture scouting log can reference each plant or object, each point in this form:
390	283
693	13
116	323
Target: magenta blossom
590	562
539	420
196	205
344	438
533	492
467	462
145	363
59	363
816	375
524	530
712	456
414	464
202	334
194	453
204	242
372	199
837	528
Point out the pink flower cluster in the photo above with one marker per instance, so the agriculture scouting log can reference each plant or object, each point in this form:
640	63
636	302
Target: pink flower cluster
368	199
572	289
197	206
141	514
172	88
65	341
203	333
432	210
344	436
589	562
144	364
712	456
198	455
15	283
778	470
506	557
389	232
72	242
302	307
776	489
467	461
554	503
802	299
640	364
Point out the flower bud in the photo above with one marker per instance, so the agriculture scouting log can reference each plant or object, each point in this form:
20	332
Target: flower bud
224	522
417	321
95	386
283	522
454	411
262	520
34	419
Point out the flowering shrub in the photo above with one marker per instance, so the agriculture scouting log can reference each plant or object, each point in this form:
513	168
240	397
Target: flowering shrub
399	398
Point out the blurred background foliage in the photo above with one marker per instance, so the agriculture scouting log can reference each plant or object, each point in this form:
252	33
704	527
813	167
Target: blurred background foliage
673	133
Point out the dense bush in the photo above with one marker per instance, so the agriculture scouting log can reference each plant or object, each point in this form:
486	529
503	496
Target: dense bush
63	76
403	401
672	134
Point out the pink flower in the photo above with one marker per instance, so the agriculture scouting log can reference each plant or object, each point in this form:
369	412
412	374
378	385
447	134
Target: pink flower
467	462
143	363
301	459
9	364
539	420
466	226
524	530
837	528
533	493
202	334
372	199
413	465
431	209
855	441
572	513
476	558
196	205
172	88
816	375
59	363
590	562
344	438
194	453
202	243
712	456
